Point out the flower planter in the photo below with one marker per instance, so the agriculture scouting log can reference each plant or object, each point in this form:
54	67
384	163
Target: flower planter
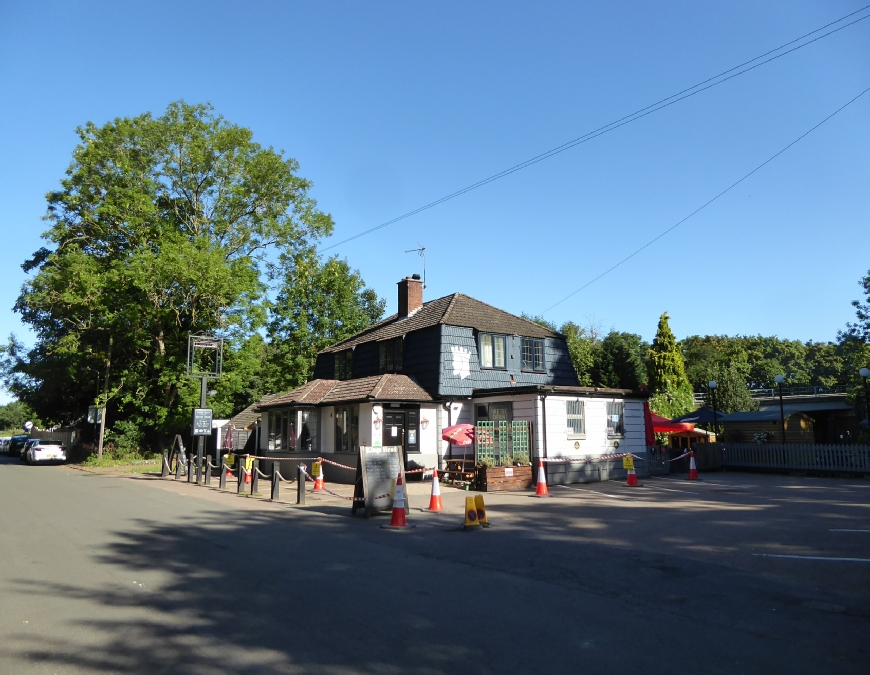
492	478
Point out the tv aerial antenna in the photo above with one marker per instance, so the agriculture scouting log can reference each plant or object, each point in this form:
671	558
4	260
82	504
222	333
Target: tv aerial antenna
421	251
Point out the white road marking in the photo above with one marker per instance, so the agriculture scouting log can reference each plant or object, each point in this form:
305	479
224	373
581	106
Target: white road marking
812	557
699	482
595	492
848	530
688	492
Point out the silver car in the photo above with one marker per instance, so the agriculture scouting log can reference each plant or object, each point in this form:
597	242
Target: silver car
44	450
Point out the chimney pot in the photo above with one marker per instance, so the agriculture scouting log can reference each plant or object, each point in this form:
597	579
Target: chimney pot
410	295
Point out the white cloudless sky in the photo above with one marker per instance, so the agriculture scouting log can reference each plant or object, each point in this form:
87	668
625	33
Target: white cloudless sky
388	106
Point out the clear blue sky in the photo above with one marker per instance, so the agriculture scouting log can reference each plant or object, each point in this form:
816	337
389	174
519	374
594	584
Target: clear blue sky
388	106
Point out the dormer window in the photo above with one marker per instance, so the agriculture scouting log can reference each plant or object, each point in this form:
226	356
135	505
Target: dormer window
533	355
391	356
492	350
344	365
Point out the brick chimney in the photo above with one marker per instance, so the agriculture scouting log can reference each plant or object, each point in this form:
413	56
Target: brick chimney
410	295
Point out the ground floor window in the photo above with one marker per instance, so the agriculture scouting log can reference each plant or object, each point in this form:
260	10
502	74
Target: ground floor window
576	421
347	428
292	430
615	418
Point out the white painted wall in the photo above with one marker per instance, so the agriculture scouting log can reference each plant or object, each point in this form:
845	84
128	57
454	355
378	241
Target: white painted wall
264	430
327	430
366	428
430	435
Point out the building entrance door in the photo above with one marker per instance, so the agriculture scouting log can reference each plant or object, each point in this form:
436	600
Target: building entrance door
401	428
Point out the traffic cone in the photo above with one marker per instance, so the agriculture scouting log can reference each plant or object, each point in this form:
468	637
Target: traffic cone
693	469
481	511
435	500
471	521
541	488
632	478
248	469
397	520
318	478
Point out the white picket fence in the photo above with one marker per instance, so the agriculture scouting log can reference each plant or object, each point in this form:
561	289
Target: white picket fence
824	458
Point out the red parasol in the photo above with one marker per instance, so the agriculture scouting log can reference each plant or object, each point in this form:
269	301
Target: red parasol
662	425
649	432
459	434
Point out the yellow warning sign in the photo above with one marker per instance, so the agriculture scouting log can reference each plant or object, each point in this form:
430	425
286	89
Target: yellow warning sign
628	462
471	520
481	510
231	459
315	469
249	463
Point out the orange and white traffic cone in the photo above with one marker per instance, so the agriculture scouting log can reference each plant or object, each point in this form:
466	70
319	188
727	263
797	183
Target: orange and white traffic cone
397	519
435	500
693	469
318	477
632	478
541	488
248	469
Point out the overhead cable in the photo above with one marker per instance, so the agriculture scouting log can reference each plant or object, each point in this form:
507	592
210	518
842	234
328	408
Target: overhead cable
710	82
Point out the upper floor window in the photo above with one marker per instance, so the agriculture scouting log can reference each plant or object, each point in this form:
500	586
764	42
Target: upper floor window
391	355
576	422
533	354
615	418
344	365
491	350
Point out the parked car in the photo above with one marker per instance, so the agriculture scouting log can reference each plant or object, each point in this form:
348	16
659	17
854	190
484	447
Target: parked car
4	445
16	443
44	450
22	455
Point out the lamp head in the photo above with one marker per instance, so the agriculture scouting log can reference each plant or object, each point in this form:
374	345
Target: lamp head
713	384
864	372
779	379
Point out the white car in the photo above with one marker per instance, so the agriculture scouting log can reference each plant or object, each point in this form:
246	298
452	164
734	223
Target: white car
45	450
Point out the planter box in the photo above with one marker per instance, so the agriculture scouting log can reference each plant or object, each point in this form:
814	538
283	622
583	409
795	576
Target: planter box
490	479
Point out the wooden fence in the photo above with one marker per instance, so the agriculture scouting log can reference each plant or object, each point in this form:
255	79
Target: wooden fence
790	456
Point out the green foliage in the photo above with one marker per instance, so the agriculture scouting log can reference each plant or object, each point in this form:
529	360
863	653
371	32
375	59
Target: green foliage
860	330
618	361
13	416
318	304
671	390
159	229
581	347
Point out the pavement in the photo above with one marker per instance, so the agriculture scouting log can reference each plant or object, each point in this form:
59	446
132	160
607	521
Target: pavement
107	573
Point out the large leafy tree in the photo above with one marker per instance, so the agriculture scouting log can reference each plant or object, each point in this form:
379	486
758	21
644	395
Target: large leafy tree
671	391
161	228
318	304
618	361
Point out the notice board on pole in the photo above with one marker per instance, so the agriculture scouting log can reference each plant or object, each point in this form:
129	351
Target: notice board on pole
375	485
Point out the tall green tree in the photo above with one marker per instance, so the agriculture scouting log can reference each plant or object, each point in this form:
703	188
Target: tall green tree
319	303
161	228
618	361
671	391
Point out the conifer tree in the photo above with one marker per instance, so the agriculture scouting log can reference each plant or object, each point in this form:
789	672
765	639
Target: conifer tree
671	390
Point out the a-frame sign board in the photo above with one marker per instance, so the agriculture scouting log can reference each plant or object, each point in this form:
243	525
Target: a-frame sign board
375	485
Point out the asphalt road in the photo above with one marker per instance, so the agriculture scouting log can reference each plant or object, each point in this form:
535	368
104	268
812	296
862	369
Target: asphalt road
106	574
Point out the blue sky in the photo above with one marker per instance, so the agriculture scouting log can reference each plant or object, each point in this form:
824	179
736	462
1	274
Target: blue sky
388	106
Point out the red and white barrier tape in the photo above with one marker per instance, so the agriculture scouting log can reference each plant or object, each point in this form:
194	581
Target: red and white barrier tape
335	494
592	459
419	470
685	454
342	466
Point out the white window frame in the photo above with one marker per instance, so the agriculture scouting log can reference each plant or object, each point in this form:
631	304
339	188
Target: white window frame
581	416
489	352
619	431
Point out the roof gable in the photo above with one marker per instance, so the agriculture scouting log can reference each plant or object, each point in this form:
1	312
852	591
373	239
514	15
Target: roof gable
451	310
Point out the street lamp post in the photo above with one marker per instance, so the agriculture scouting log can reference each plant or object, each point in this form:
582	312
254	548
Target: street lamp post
713	385
865	373
779	379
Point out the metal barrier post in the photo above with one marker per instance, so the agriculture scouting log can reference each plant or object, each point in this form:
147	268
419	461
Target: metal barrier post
255	477
300	486
178	467
276	483
190	469
199	469
208	468
240	472
164	472
223	478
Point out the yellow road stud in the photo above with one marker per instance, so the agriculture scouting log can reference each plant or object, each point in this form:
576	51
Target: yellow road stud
471	521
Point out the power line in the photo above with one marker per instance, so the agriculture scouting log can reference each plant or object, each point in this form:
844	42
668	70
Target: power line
633	117
705	205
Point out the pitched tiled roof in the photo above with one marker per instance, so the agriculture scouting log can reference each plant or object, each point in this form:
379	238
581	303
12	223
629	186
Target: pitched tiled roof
389	387
451	310
251	414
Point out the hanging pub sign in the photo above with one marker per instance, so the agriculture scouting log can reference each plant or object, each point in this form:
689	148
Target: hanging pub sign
202	421
95	414
376	473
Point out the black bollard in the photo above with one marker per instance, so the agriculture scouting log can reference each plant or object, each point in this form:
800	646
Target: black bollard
178	467
198	470
276	483
164	472
223	478
255	477
208	468
240	472
300	486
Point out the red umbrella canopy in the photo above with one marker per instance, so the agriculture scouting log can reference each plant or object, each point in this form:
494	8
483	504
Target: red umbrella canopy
459	434
662	425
